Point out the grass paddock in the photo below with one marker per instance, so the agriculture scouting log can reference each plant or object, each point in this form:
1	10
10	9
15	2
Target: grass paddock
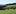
10	11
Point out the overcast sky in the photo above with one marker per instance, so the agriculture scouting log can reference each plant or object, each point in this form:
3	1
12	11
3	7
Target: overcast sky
7	1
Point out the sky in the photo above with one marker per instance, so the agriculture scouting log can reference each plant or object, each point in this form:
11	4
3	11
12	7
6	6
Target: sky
7	1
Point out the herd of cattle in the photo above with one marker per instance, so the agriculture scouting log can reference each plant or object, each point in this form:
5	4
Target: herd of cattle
8	6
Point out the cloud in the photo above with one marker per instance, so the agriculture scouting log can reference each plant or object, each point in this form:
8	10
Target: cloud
7	1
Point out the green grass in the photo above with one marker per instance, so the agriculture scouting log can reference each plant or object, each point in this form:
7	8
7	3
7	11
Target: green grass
10	11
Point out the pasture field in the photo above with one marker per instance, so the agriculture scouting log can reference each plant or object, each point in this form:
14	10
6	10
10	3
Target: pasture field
10	11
